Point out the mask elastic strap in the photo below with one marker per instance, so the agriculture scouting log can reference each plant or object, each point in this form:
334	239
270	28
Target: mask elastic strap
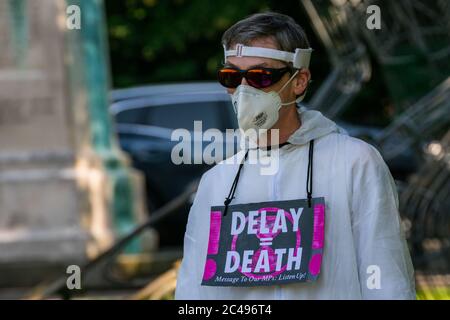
287	82
288	103
284	86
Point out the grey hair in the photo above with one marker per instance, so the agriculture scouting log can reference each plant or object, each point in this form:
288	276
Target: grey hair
287	34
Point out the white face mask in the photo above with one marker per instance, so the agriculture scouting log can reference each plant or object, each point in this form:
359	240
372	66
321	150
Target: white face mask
256	109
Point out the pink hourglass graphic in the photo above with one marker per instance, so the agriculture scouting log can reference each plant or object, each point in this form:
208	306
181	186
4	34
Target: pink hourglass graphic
266	238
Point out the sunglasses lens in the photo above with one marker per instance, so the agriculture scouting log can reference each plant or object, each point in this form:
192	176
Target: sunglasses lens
257	78
260	78
229	78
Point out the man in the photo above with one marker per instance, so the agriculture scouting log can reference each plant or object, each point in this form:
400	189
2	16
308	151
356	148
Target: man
329	233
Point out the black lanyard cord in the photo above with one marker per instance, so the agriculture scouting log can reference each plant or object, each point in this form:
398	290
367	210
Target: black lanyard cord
234	185
308	179
310	173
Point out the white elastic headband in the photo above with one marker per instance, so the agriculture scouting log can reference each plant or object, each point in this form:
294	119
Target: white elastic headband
300	58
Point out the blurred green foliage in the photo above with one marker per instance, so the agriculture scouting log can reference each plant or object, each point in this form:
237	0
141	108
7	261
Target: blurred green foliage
171	40
154	41
178	40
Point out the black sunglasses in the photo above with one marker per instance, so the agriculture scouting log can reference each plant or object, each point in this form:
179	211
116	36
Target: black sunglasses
257	77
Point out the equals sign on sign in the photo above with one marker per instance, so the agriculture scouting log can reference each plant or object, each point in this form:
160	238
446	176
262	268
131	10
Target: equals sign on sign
266	242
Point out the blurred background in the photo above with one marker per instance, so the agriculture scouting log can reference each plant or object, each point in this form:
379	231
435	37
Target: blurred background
90	92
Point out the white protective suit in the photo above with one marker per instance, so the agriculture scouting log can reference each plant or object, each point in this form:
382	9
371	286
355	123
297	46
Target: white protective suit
362	223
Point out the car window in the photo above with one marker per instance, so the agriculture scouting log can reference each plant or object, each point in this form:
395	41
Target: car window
213	114
133	116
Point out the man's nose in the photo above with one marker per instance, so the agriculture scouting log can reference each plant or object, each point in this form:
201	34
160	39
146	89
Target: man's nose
243	81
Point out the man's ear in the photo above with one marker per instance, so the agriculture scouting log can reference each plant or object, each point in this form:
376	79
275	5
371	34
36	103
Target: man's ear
301	80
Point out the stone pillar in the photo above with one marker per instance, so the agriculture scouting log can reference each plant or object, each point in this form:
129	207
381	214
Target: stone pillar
66	191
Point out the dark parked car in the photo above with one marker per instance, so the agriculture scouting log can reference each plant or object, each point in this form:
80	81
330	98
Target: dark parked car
145	119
